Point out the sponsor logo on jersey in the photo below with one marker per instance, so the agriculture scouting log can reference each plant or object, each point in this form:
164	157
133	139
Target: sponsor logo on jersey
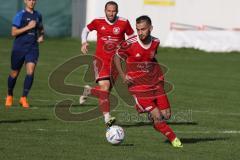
103	28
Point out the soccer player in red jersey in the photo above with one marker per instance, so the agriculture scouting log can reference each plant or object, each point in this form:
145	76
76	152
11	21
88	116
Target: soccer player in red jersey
144	77
110	30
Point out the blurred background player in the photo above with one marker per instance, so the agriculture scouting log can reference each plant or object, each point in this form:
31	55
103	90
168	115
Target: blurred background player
27	28
110	30
145	78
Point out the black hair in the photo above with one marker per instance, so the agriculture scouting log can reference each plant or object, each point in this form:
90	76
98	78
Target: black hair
111	3
144	18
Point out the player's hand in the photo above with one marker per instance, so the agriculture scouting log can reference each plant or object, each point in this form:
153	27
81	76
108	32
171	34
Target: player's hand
40	39
32	24
84	48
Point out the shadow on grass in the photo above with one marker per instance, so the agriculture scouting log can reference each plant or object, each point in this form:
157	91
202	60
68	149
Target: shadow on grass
124	145
183	123
39	106
204	139
22	120
140	124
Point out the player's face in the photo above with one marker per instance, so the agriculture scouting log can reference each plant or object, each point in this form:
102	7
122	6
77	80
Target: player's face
111	12
143	30
30	3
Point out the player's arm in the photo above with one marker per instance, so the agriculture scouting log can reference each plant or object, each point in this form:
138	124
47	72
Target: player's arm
40	29
118	64
40	34
129	30
90	27
85	44
17	31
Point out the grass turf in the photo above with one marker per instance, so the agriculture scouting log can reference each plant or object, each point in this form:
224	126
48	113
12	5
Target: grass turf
205	104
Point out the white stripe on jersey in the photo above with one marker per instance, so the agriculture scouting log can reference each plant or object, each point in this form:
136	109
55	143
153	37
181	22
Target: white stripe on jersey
155	39
132	40
122	19
138	104
100	18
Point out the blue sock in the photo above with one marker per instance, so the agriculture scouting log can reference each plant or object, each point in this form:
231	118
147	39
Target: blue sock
11	85
27	84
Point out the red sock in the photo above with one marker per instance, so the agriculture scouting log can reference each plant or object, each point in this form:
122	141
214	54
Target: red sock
103	98
165	130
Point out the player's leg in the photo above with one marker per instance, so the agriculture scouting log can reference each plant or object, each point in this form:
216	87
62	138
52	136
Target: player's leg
97	65
164	106
102	75
104	101
17	61
102	92
30	68
150	105
161	126
30	63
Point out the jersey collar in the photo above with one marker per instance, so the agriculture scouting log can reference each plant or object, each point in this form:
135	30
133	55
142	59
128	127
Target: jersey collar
28	11
145	46
110	23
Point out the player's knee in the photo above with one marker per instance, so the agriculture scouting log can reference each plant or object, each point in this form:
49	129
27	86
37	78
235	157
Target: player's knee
30	68
30	72
14	73
104	87
166	114
156	118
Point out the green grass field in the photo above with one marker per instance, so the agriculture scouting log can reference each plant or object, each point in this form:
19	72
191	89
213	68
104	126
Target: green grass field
205	104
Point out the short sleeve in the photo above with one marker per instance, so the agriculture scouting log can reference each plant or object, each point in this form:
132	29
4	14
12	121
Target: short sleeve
17	20
92	26
129	30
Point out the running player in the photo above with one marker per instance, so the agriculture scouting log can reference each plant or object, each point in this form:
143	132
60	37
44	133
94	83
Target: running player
27	28
144	77
111	29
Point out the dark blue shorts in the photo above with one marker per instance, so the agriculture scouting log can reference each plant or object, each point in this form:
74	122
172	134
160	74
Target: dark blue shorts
18	59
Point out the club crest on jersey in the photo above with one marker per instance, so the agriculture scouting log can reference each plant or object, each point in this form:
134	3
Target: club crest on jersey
116	30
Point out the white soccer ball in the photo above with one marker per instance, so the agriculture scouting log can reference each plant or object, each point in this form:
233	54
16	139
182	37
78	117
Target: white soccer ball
115	134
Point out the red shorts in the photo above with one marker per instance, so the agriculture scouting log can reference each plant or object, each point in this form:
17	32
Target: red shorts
104	69
148	104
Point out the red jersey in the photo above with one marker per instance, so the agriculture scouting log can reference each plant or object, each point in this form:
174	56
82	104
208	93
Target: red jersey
141	64
108	32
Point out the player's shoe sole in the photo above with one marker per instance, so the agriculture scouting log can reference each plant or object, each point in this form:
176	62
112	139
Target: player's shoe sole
111	121
177	143
9	101
84	96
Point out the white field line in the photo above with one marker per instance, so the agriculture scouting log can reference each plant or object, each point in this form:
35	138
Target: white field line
210	132
183	132
194	111
217	113
198	111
